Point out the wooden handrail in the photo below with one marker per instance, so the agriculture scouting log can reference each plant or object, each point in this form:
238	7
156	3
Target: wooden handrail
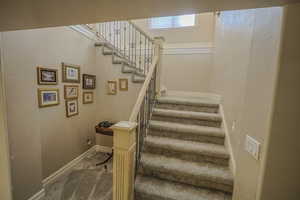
137	106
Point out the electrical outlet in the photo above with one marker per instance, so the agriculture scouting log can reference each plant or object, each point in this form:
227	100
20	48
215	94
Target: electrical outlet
252	146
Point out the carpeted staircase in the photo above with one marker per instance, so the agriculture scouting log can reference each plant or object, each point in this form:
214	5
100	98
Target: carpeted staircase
184	157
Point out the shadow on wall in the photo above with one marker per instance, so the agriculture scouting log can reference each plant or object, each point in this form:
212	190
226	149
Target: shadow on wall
42	140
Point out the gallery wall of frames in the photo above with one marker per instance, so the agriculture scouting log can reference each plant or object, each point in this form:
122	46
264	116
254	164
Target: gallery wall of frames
71	79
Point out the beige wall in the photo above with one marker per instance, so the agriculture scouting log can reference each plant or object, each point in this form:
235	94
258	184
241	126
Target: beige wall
42	140
113	107
281	170
191	53
187	72
5	180
202	31
245	69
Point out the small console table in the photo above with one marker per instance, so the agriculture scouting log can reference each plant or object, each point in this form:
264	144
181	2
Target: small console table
105	131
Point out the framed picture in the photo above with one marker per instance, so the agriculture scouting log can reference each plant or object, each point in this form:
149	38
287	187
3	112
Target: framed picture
112	87
71	107
70	73
89	81
46	76
123	84
71	91
88	97
48	97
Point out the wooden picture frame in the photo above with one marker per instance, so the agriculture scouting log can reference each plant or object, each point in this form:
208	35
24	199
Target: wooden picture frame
123	84
89	81
87	97
48	97
72	107
70	73
112	87
47	76
71	91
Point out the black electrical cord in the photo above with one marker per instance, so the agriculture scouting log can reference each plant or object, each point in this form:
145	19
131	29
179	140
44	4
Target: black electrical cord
110	155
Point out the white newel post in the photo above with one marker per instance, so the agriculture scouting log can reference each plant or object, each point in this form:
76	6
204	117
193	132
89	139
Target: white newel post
124	160
158	41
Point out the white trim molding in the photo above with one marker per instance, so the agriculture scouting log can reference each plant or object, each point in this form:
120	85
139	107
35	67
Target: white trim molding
187	48
227	141
104	149
39	195
84	31
66	168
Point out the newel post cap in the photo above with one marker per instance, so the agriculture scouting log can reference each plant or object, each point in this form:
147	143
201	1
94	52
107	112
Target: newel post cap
124	126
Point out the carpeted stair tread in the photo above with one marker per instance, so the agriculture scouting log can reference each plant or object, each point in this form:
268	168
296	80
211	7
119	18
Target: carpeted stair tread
187	101
193	173
182	128
148	188
188	115
186	147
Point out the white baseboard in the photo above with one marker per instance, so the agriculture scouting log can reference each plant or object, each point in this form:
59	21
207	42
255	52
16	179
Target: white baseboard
39	195
50	179
228	142
104	149
187	48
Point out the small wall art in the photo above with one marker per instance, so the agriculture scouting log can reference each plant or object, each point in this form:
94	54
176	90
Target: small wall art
123	84
72	107
70	73
47	76
89	81
88	97
112	87
71	91
48	97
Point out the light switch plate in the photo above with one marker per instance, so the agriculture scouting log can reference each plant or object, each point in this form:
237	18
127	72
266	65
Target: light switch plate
252	146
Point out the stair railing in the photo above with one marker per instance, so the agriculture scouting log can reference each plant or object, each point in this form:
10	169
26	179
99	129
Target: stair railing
129	135
128	42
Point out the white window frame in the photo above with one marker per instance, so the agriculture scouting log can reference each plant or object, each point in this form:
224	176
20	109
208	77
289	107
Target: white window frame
173	22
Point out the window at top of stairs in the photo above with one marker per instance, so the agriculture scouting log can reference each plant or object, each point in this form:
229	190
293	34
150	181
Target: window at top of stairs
172	22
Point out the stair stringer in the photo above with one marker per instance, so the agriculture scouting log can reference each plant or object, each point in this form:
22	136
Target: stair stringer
117	59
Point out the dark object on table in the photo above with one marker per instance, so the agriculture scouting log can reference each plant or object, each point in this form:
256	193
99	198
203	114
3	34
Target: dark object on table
105	124
103	128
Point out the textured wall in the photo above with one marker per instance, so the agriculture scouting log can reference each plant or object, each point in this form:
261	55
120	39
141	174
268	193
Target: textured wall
196	67
42	140
20	14
245	69
113	107
187	72
281	177
5	182
201	32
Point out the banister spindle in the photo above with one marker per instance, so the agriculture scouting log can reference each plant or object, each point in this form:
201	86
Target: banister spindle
140	55
129	35
145	66
125	30
115	34
119	37
135	49
131	44
110	34
147	60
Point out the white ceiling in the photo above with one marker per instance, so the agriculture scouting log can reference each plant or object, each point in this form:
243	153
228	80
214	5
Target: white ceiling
25	14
